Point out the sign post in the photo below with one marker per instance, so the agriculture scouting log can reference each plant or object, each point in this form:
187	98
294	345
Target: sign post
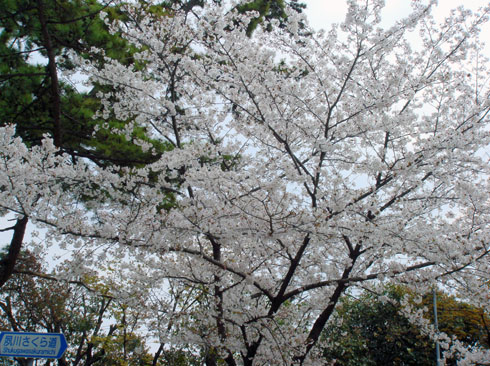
32	345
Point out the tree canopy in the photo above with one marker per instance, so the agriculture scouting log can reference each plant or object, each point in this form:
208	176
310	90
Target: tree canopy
293	166
371	330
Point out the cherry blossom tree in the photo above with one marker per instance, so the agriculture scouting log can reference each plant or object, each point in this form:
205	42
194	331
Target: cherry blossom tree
302	164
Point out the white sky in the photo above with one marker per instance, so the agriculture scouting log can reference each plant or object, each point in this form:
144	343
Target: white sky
322	13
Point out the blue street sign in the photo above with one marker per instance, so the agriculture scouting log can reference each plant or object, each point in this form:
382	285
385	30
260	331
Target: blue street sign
32	345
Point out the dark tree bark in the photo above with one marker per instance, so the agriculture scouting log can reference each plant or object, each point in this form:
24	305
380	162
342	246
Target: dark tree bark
7	264
53	75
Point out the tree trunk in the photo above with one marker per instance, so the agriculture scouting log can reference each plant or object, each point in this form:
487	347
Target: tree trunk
7	265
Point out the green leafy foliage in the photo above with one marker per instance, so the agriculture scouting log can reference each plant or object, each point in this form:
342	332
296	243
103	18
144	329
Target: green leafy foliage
268	9
466	322
367	331
27	94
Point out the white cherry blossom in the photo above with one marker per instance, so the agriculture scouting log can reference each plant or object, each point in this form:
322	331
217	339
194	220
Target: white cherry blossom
303	164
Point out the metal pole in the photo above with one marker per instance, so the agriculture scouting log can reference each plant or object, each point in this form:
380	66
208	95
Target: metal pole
436	325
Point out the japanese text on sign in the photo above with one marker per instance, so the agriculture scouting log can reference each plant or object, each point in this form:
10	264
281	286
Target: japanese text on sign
46	345
34	345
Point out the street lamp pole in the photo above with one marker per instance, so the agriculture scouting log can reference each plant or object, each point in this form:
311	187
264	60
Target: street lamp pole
436	325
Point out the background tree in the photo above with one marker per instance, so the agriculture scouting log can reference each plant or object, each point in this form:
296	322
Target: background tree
466	322
99	329
370	331
38	39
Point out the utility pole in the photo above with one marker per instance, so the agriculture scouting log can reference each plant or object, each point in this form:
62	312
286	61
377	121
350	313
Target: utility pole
436	325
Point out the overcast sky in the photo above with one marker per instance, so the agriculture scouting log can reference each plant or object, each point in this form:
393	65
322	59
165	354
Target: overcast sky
322	13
